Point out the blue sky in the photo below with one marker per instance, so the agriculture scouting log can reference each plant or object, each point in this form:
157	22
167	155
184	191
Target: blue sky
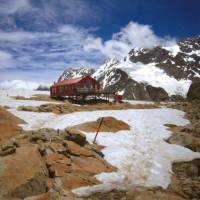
39	38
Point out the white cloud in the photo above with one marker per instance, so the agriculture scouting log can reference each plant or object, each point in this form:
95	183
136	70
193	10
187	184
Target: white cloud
16	36
130	36
5	59
71	45
12	6
43	15
50	50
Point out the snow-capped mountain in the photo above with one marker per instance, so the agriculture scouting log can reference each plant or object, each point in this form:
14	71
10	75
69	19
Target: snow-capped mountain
181	61
150	73
113	75
75	72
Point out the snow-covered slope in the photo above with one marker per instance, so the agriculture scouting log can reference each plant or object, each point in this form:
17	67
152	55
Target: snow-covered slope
181	61
75	72
170	68
154	76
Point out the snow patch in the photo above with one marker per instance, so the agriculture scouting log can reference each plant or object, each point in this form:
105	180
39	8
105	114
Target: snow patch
152	75
6	100
173	50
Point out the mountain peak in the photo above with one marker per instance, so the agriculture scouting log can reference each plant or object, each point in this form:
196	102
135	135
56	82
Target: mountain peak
76	72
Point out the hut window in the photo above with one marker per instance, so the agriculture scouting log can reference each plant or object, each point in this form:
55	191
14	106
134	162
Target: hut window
53	90
88	84
61	89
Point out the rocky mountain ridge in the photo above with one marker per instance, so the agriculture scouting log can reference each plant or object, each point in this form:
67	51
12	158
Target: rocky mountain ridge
149	74
75	72
179	61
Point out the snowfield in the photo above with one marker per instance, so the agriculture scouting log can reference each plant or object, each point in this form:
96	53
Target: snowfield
144	73
141	155
6	100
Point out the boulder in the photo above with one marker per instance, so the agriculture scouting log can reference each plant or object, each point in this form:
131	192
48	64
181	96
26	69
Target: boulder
45	196
109	124
75	135
45	134
23	173
58	170
57	158
185	181
151	194
187	169
176	98
90	165
157	93
9	126
78	150
75	180
194	91
28	108
186	140
8	150
58	147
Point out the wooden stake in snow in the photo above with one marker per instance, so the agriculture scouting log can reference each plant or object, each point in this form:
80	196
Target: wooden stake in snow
98	130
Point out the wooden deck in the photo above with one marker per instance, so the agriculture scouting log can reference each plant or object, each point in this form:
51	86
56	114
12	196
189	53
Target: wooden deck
86	91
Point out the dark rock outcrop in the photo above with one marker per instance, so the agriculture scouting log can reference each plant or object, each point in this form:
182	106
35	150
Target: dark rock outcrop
132	89
157	93
181	61
177	98
194	91
74	72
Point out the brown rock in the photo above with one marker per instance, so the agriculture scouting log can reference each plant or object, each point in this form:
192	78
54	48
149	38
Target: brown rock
176	98
22	174
194	91
186	187
57	158
57	147
9	125
28	108
58	169
76	149
89	165
75	180
45	196
7	151
151	194
157	93
109	124
186	181
76	136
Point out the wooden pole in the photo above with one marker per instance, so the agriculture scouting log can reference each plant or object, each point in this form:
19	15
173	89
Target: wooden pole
98	130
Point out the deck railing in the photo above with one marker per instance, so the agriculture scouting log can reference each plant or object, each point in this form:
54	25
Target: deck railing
93	91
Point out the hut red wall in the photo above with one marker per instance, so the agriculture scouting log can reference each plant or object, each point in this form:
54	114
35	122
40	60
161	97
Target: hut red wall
61	89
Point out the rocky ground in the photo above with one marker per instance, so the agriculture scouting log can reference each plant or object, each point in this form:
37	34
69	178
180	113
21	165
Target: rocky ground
185	183
47	163
65	108
36	97
9	125
186	180
109	124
